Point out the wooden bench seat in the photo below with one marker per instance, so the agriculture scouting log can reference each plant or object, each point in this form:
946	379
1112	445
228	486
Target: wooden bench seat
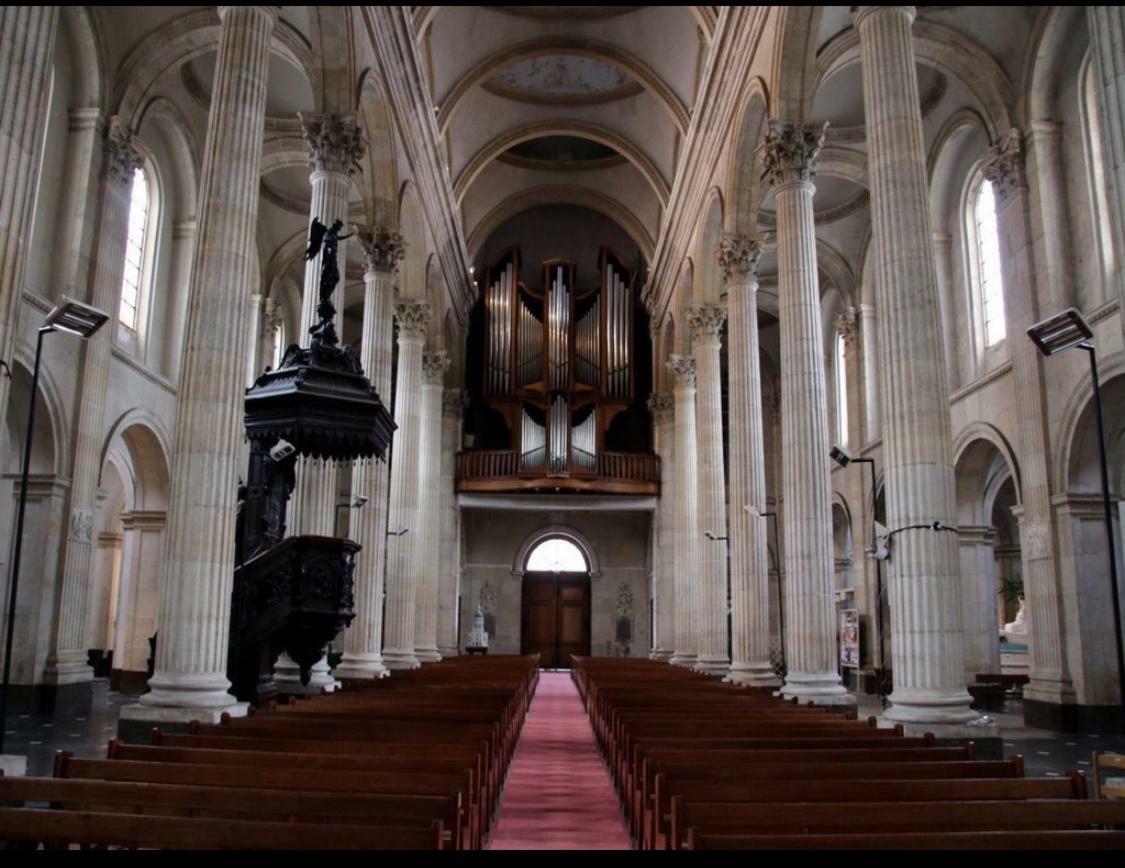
1021	839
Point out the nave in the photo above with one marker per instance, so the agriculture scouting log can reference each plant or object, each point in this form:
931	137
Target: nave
491	753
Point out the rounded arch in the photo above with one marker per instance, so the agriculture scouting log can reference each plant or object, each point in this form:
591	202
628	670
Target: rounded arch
979	471
794	82
968	444
683	297
142	436
556	531
560	194
1054	31
88	55
744	181
579	47
412	271
579	129
709	283
1076	430
49	401
380	169
167	117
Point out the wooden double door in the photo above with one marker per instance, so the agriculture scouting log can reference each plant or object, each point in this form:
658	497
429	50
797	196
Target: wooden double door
556	617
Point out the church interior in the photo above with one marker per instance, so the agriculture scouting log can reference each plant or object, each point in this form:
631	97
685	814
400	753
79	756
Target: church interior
562	427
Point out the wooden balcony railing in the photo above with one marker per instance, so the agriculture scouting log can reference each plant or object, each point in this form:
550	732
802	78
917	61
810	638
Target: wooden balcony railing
499	470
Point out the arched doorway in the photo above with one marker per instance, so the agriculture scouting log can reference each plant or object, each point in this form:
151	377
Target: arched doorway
555	619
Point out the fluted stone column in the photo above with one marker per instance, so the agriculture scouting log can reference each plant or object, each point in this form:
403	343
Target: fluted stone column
869	330
686	516
27	47
67	662
427	558
413	318
943	250
662	407
1050	678
1050	219
810	610
453	404
335	147
706	323
977	549
1106	25
191	652
183	249
925	598
363	640
749	554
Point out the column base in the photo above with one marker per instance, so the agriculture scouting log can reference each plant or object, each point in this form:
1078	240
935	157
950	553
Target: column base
662	655
752	675
136	722
428	655
1050	690
396	660
712	665
985	734
360	667
819	688
69	667
201	693
682	658
449	651
931	707
13	765
287	676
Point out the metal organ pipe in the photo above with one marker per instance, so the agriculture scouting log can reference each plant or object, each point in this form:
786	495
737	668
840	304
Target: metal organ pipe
559	425
558	325
530	347
586	346
533	439
618	334
583	445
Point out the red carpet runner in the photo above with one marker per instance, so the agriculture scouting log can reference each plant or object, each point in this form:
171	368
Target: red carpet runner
558	795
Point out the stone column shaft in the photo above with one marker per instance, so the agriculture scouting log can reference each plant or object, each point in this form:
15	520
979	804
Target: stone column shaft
662	407
749	552
706	321
191	654
427	558
363	640
1106	25
1049	217
1050	679
686	518
398	653
869	330
67	663
810	622
453	405
925	599
27	47
943	250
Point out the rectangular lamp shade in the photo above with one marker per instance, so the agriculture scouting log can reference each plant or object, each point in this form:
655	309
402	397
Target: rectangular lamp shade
76	318
1060	332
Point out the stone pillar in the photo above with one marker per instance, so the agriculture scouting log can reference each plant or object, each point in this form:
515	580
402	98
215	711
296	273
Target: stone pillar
1050	220
925	598
846	326
810	607
979	600
1106	25
413	318
686	517
749	553
1050	678
869	330
191	654
427	544
453	404
943	251
363	640
183	251
335	148
662	407
67	664
138	594
27	48
73	248
706	322
271	319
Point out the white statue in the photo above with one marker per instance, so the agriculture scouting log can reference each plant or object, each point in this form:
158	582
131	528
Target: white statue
478	636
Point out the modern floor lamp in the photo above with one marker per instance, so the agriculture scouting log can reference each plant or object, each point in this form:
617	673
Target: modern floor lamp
1053	335
78	319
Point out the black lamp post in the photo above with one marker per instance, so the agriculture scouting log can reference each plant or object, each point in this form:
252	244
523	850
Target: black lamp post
843	457
78	319
1053	335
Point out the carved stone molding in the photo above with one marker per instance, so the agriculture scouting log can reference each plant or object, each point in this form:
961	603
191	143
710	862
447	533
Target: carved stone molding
706	321
272	315
683	369
383	248
738	257
1005	166
847	325
662	406
790	150
434	366
82	525
771	403
454	401
122	158
335	142
413	318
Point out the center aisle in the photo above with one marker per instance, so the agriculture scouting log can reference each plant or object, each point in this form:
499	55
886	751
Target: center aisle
558	795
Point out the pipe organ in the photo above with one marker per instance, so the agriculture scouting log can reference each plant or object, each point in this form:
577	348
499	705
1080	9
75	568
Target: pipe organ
558	361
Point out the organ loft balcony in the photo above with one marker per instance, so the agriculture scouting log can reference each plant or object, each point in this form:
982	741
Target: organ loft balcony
557	377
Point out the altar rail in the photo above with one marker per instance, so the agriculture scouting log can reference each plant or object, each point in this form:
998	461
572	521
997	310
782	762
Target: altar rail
617	473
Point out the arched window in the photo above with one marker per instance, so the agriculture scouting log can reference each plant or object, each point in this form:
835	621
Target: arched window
1095	167
136	249
557	556
990	284
841	387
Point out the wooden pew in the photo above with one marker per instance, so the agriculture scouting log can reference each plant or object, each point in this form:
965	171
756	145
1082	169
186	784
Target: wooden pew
1021	839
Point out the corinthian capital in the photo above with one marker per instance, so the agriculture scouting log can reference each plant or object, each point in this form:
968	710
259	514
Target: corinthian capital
413	318
738	257
790	151
662	406
706	321
454	401
847	325
382	248
335	142
122	158
434	366
682	368
1005	165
